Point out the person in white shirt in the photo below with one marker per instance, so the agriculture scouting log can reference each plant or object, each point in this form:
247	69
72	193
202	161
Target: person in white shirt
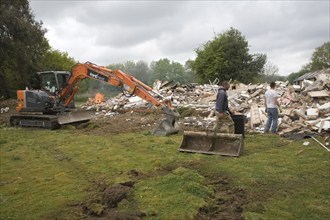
272	104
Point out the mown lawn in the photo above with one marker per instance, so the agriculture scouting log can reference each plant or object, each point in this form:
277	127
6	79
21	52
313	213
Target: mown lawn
45	174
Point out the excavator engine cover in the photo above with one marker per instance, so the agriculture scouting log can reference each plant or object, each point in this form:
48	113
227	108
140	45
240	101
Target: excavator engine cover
212	143
73	117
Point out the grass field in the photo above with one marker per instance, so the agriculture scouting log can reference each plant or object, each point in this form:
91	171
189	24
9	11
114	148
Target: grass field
64	174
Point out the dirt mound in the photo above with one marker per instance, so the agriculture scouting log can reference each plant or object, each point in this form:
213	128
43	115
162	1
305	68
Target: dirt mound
123	122
104	206
114	194
226	203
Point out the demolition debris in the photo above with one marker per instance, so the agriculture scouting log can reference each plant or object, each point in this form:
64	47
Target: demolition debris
304	107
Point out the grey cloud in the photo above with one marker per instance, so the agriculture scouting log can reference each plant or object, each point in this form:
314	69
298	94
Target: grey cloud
117	35
50	11
131	13
175	29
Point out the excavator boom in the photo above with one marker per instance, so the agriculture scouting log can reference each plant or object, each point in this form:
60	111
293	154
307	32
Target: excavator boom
130	86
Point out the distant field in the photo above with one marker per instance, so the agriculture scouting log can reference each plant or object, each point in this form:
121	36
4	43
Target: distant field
73	174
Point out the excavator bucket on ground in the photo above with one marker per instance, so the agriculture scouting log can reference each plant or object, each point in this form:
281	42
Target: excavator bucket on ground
73	117
168	125
212	143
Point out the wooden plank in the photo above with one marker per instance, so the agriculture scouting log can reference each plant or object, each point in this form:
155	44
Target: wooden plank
317	94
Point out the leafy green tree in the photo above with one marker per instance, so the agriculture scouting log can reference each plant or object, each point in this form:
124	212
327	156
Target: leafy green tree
227	57
163	70
190	74
22	44
141	71
57	60
296	75
320	58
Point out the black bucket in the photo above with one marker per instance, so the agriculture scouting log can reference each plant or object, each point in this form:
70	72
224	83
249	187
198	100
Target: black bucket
239	123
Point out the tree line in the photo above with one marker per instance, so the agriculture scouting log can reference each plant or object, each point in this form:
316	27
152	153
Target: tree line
25	51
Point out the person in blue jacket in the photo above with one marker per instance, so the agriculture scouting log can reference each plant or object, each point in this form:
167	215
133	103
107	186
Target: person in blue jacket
224	123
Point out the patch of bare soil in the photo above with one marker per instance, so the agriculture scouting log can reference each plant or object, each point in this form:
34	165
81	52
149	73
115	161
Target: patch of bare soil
105	204
135	120
129	121
227	202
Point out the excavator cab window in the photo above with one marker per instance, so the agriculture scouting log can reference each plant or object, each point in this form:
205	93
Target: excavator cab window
53	81
62	78
48	81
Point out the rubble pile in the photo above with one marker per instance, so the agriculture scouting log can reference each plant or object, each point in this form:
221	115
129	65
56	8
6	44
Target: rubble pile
304	107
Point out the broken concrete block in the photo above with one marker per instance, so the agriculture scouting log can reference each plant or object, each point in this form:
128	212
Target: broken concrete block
312	113
325	107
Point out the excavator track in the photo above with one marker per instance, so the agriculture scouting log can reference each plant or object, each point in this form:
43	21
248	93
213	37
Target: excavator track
30	120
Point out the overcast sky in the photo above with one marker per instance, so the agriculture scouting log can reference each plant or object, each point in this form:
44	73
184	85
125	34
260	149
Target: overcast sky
106	32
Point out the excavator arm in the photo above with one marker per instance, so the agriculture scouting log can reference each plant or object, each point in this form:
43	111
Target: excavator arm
130	86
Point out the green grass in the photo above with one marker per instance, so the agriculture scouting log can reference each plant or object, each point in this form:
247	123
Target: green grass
45	174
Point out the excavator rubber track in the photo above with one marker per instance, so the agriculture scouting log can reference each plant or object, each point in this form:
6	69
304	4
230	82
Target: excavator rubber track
30	120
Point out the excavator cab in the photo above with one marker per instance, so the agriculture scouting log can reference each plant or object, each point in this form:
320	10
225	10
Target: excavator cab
54	81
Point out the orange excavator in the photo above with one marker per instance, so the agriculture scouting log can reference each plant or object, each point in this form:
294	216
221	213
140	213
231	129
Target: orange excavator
53	104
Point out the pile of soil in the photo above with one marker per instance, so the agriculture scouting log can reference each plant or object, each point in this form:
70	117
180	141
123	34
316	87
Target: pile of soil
129	121
104	206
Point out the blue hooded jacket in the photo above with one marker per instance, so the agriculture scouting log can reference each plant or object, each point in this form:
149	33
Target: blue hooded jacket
221	104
